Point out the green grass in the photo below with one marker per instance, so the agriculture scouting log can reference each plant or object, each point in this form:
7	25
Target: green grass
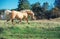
34	30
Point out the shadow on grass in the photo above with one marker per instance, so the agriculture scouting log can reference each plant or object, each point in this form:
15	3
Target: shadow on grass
1	30
2	38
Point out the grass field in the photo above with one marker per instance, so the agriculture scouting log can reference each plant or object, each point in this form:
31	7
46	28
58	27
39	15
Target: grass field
40	29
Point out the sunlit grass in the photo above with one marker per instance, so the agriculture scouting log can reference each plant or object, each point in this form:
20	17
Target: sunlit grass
35	30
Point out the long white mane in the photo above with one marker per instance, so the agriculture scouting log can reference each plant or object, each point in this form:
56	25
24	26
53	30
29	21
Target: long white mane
6	14
7	11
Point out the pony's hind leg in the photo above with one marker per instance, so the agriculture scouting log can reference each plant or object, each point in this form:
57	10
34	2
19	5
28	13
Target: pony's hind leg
12	21
7	21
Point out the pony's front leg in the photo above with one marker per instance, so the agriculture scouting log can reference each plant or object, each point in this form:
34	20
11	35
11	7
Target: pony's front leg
27	20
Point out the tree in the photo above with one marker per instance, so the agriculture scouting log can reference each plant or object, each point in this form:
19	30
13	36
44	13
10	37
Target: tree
23	4
37	9
2	11
56	12
45	10
57	3
45	6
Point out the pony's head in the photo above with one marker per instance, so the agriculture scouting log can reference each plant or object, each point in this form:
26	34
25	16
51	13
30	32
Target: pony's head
31	13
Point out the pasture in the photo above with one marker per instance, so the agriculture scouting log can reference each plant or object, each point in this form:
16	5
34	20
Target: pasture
40	29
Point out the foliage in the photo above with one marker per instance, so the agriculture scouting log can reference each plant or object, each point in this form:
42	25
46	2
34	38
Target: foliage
40	11
57	3
55	12
23	4
37	9
2	11
45	6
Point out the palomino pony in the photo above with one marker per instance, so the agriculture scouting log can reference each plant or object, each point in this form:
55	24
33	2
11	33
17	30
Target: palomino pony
30	13
18	15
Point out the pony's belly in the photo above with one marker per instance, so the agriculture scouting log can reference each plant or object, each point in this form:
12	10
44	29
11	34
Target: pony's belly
20	16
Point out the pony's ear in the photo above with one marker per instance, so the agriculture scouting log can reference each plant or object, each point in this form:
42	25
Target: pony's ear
28	11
